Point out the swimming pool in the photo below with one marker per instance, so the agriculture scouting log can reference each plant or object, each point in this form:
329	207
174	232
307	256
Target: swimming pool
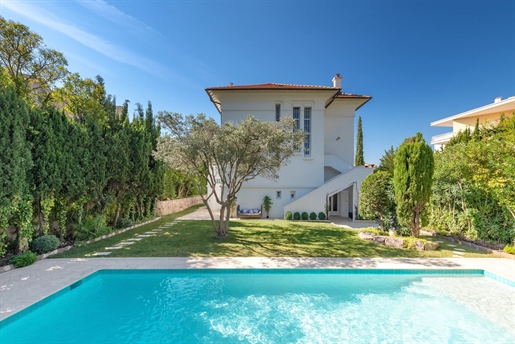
271	306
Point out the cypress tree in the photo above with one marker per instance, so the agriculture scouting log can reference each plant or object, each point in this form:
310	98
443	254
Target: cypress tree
359	160
15	162
476	135
413	178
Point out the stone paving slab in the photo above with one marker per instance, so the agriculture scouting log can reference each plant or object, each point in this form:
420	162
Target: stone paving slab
19	288
144	236
134	239
101	253
126	243
114	248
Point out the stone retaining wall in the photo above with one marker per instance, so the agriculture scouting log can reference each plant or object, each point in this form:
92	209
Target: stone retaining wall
174	205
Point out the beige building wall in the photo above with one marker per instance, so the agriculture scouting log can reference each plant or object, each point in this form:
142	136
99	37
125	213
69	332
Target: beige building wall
462	123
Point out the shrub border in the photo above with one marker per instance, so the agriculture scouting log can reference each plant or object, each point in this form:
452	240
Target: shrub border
66	248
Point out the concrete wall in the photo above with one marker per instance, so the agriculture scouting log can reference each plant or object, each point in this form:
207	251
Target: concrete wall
174	205
339	130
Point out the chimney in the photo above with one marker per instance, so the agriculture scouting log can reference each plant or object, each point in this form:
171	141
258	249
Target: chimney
337	81
497	99
230	84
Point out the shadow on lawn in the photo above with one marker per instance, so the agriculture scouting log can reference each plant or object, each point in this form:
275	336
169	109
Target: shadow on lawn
274	239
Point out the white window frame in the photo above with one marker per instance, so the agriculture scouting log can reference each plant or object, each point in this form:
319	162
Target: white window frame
308	116
304	110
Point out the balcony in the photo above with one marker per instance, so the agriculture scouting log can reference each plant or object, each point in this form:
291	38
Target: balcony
442	138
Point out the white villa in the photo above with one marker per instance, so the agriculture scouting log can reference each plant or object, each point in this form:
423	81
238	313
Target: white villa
323	172
490	114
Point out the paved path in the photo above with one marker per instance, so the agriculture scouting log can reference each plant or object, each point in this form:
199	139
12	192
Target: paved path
19	288
131	241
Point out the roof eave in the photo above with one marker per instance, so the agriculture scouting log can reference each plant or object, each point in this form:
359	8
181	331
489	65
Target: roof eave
448	121
214	100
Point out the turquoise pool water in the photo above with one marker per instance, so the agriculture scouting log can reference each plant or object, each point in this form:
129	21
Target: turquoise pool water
271	306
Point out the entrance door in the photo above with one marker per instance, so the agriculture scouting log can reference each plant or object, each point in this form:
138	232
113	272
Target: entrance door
333	205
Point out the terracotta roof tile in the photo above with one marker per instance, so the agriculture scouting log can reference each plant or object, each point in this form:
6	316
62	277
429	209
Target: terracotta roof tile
276	86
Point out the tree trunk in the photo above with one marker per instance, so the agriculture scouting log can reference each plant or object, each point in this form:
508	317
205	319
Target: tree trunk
41	224
415	227
116	213
223	224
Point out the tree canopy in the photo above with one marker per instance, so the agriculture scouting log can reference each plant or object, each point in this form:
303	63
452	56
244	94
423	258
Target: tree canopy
473	190
413	177
226	155
31	65
376	197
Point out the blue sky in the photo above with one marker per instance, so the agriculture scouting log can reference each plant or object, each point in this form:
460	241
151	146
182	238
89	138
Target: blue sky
420	60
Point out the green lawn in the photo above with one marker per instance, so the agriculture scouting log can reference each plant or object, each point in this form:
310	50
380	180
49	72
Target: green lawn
254	238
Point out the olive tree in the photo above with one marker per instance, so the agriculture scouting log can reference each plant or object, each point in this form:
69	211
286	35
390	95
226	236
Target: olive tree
413	177
226	155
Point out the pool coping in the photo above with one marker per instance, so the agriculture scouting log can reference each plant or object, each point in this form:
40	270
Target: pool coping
21	288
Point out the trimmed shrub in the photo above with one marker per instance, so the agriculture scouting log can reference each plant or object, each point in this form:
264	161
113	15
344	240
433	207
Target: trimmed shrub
296	216
44	244
24	259
321	215
305	216
313	216
509	249
289	215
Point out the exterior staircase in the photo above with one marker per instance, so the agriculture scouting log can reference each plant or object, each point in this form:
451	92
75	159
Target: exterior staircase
316	199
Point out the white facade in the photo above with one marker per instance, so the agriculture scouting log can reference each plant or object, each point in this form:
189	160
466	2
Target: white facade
323	175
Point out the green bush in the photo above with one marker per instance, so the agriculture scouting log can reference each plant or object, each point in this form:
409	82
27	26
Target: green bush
321	215
91	228
509	249
313	216
296	216
305	216
289	215
44	244
125	222
24	259
372	231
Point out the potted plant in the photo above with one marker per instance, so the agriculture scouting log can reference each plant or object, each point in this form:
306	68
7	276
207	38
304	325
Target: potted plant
267	205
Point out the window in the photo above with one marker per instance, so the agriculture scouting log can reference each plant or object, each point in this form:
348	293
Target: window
296	118
278	195
292	194
307	130
277	112
296	123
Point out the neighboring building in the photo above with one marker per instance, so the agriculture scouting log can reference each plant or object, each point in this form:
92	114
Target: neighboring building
323	171
488	114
